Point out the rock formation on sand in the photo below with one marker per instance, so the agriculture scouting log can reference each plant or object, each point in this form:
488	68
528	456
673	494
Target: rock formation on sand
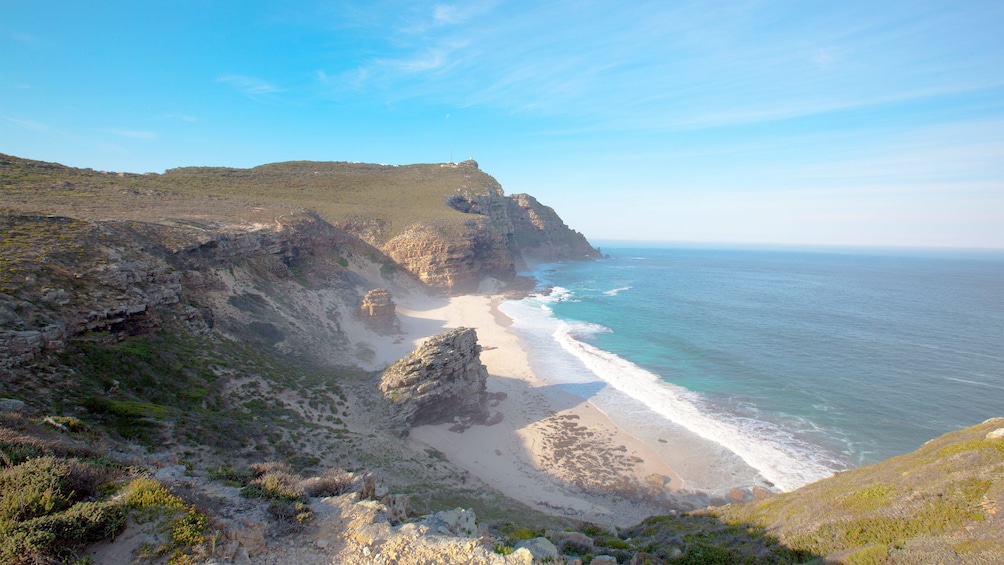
195	338
378	311
441	380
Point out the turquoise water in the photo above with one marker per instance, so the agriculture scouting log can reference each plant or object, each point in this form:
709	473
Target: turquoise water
785	365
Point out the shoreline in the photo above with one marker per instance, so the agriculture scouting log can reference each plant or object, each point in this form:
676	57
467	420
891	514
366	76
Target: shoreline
554	451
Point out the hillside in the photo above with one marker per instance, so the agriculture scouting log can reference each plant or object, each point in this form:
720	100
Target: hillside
939	504
450	225
191	371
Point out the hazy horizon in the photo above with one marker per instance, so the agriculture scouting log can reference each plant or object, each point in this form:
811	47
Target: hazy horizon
813	124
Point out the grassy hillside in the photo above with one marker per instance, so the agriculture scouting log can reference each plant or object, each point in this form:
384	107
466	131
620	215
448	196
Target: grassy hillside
386	199
939	504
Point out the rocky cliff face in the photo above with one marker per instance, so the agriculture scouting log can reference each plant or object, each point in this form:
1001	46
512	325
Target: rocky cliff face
501	235
286	285
449	225
540	235
441	380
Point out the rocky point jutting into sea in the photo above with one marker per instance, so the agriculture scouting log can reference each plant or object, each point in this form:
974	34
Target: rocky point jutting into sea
288	364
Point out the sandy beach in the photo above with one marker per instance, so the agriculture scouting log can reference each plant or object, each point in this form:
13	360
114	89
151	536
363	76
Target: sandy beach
553	451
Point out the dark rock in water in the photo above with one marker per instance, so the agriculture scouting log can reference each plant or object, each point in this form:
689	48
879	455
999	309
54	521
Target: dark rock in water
439	381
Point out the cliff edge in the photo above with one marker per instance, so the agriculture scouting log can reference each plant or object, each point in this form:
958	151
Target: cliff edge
448	225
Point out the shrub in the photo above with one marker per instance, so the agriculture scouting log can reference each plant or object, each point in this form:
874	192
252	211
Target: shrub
260	469
189	528
523	534
232	477
332	483
40	540
275	486
148	493
503	549
704	554
34	488
292	513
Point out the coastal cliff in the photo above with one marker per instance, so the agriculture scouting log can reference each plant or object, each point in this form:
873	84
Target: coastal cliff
499	235
209	346
448	225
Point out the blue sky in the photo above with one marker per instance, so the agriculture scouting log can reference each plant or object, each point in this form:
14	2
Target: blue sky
797	122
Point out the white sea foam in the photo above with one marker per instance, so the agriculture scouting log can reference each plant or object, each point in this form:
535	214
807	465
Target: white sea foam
974	383
588	329
779	457
615	291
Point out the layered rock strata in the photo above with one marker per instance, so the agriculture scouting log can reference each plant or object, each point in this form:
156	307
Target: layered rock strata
442	380
501	235
378	311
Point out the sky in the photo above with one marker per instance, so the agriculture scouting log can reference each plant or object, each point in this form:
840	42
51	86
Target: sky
797	122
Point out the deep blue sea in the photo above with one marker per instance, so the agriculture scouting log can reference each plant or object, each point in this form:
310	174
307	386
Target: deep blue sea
774	367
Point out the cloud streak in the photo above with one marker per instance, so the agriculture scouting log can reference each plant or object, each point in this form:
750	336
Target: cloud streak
251	86
131	133
655	66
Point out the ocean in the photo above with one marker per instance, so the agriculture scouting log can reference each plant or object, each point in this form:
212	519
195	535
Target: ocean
773	367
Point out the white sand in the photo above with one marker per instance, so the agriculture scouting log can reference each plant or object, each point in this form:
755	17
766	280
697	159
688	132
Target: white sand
553	451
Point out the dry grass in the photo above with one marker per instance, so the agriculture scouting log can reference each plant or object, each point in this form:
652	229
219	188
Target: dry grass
382	201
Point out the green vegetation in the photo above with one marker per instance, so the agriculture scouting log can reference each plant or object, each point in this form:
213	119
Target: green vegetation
503	549
172	380
156	380
56	499
936	501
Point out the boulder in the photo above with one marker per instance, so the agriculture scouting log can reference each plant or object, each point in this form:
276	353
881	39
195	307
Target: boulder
438	382
379	313
11	405
456	522
540	548
171	474
572	542
521	556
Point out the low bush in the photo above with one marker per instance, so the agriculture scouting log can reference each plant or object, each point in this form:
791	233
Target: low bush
232	477
53	536
332	483
276	486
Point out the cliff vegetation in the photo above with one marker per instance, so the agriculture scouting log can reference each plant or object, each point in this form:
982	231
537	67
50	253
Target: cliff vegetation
188	375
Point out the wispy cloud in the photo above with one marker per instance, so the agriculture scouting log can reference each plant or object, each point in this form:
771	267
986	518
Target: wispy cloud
432	59
131	134
180	118
671	67
249	85
31	125
451	14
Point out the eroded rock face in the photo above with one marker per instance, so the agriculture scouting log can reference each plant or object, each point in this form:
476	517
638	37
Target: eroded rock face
378	311
502	234
540	235
441	380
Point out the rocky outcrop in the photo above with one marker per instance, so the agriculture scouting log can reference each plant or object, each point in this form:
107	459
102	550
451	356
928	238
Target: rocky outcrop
503	234
113	279
453	262
378	312
441	380
539	234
